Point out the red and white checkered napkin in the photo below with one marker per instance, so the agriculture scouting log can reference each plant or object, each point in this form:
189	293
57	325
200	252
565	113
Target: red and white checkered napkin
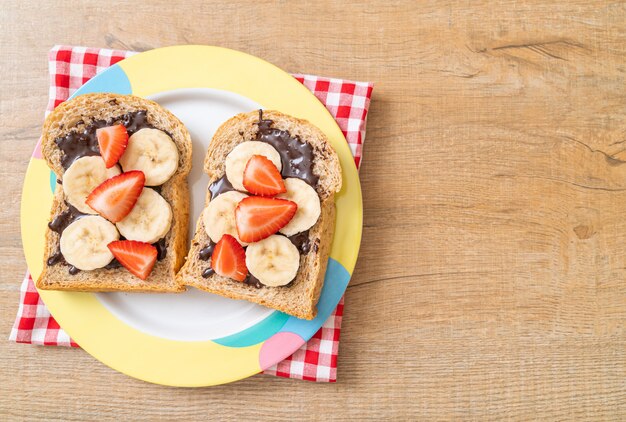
348	102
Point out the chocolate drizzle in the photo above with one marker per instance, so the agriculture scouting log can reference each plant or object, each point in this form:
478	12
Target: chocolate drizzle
67	217
82	143
253	281
221	185
206	252
301	241
161	248
55	258
296	155
135	121
113	264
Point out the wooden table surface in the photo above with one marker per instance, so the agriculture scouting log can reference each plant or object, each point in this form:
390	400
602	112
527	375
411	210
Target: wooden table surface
491	279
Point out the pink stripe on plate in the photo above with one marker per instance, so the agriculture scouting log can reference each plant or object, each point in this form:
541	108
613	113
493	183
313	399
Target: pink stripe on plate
278	347
37	151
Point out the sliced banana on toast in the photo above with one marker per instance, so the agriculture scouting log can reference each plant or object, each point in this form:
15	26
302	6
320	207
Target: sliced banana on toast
84	242
308	202
153	152
149	220
273	260
219	216
82	177
238	158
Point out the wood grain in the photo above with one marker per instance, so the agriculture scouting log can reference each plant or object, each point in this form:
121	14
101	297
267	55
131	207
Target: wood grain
491	279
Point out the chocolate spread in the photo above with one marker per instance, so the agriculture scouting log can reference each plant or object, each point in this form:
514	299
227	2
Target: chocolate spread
208	272
301	241
253	281
67	217
77	143
221	185
296	156
206	252
161	248
297	161
58	224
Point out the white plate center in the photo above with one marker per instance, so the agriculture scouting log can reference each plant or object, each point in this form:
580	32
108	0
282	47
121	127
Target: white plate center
193	315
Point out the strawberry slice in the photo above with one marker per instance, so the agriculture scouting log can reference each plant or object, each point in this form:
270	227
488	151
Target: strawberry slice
261	177
115	197
136	257
112	141
257	217
229	259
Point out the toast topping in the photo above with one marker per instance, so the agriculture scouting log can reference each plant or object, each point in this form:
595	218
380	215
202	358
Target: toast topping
84	242
285	201
258	217
153	152
115	197
94	184
112	141
261	177
220	186
309	208
149	220
274	261
219	216
296	155
229	259
83	141
237	160
83	176
137	257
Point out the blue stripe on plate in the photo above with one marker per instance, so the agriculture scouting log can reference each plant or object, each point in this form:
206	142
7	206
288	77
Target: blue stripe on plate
257	333
335	283
112	80
53	181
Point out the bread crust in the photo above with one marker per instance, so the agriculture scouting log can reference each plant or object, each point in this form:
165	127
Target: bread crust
86	108
301	297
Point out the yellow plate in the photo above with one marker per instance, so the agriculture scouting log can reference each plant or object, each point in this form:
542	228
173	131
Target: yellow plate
245	353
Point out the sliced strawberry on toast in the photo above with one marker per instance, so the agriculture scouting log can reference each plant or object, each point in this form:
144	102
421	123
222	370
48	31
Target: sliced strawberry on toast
115	197
113	141
136	257
257	217
261	177
229	259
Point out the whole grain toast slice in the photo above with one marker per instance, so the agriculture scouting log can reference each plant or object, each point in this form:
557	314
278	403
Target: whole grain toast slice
75	115
300	297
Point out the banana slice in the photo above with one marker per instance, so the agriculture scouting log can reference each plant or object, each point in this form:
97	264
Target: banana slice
82	177
153	152
219	216
308	202
150	219
84	242
274	260
237	159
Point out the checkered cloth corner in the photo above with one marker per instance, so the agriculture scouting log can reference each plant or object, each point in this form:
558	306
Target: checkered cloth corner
348	102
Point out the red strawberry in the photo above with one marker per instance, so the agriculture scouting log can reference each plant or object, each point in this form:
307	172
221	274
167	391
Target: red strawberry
257	217
112	141
136	257
261	177
229	259
115	197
